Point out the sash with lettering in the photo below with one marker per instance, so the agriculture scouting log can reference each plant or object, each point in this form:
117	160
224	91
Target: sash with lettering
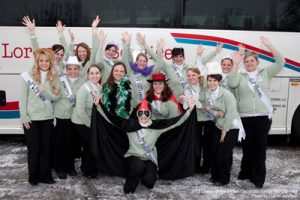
210	101
190	93
263	97
148	152
223	84
139	85
68	91
155	108
179	76
90	89
33	86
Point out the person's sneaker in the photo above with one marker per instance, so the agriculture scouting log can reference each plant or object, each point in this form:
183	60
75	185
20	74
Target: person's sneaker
258	185
33	183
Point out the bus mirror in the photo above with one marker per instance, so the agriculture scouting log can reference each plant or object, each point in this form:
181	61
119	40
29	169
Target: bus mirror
2	98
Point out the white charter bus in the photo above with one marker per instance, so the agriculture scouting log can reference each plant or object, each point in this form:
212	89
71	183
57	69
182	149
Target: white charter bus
181	23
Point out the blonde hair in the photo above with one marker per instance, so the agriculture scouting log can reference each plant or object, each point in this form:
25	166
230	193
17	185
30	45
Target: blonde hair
51	75
197	71
251	53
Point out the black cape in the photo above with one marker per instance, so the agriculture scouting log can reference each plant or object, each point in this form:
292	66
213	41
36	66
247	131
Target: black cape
175	148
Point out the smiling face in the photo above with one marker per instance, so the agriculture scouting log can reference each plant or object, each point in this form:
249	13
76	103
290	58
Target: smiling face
44	62
111	52
82	53
193	77
212	83
250	63
158	87
144	116
118	72
58	56
73	71
226	65
94	74
141	61
178	59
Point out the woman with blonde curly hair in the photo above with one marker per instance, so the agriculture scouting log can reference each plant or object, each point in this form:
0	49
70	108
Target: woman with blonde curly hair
37	93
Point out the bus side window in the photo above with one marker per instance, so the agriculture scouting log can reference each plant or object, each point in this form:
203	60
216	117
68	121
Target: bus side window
2	98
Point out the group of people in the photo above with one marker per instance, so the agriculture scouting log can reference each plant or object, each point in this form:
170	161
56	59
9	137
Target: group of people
134	120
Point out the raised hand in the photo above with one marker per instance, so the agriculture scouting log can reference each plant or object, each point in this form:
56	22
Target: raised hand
265	41
160	45
126	38
95	22
101	37
219	47
30	24
200	49
60	27
141	39
241	49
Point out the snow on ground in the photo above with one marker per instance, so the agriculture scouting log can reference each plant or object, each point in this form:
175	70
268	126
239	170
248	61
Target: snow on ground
282	182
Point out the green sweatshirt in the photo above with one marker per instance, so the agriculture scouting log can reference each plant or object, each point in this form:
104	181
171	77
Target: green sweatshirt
225	102
83	110
248	101
31	106
62	107
167	110
150	136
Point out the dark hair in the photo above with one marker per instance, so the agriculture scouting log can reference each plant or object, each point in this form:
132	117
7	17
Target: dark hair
141	55
57	47
95	66
218	77
177	51
111	80
231	61
88	50
110	46
165	95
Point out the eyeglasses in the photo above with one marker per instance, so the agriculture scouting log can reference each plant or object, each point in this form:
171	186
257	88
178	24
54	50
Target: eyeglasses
146	113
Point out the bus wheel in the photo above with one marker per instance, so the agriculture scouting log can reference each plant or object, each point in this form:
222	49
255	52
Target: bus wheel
295	132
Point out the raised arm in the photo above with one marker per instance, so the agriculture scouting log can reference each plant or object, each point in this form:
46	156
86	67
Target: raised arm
275	68
126	39
206	59
142	41
99	56
31	27
95	23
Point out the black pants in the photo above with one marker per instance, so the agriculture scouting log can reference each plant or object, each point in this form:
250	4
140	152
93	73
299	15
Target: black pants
222	153
64	145
253	164
38	141
203	144
139	169
84	133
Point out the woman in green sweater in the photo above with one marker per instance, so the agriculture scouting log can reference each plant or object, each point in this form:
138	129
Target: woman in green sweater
222	105
87	94
255	109
37	93
63	108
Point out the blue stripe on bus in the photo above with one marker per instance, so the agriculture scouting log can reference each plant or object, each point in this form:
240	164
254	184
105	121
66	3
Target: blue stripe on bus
231	47
9	114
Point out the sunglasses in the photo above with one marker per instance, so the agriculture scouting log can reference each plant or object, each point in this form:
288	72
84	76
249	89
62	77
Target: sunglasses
146	113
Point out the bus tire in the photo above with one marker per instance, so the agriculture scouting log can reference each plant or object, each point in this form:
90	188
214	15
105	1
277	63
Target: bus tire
295	131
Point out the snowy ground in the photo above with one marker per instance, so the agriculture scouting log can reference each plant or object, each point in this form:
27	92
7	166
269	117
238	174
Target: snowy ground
282	182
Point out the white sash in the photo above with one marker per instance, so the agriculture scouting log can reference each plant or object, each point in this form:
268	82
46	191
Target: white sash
33	86
210	101
139	85
155	109
260	94
223	84
90	89
238	122
179	76
189	93
148	152
68	91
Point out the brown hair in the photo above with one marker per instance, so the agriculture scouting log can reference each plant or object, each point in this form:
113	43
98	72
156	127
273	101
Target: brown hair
251	53
51	75
218	77
95	66
111	80
231	61
197	71
88	50
165	95
141	55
